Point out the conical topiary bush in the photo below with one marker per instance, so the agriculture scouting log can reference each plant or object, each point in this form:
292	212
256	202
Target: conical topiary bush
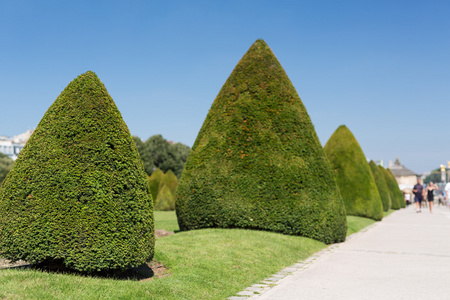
355	180
257	162
77	194
397	191
170	180
381	185
165	199
154	182
394	191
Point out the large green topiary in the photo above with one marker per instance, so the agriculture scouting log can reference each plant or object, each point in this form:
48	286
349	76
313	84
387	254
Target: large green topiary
77	194
396	195
353	175
154	182
381	185
257	162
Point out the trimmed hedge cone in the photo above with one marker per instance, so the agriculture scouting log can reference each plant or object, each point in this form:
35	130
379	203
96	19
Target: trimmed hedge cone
396	195
353	175
77	194
257	162
381	185
154	182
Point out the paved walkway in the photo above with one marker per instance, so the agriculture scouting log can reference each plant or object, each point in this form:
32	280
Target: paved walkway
406	256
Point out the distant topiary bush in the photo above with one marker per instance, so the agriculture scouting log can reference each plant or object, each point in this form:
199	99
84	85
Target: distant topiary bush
165	199
257	162
396	195
170	180
77	193
154	182
353	175
381	185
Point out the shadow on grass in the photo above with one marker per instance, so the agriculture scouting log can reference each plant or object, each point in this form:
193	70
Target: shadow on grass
144	272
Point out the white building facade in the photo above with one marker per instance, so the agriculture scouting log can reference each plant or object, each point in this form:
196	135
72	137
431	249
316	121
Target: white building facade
406	178
13	146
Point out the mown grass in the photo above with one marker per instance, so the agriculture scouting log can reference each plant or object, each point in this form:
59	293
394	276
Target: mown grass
355	224
202	264
166	220
387	213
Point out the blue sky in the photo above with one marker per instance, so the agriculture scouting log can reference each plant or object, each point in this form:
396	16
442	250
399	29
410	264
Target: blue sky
380	67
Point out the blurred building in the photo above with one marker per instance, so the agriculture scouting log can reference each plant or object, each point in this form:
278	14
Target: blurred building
406	178
13	146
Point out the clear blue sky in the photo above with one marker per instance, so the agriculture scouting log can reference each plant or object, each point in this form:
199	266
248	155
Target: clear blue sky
380	67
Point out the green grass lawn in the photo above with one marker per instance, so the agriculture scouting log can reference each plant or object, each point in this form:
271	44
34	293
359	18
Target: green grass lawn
202	264
166	220
387	213
355	224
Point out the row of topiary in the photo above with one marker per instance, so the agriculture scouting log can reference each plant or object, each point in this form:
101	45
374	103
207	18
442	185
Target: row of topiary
78	192
162	187
367	189
257	163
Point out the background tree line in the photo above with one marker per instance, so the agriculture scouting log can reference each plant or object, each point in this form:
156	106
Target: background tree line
6	164
434	176
156	152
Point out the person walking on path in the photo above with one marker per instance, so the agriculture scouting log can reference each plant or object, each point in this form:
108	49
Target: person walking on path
418	193
447	194
407	198
430	194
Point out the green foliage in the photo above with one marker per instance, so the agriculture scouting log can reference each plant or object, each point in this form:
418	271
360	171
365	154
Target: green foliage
381	185
162	187
181	153
77	193
156	152
203	264
353	175
397	200
165	199
6	164
257	162
154	182
170	180
397	191
435	176
145	155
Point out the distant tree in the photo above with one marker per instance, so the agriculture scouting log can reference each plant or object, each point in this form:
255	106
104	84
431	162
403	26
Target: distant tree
161	152
435	176
158	153
181	153
6	164
145	155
